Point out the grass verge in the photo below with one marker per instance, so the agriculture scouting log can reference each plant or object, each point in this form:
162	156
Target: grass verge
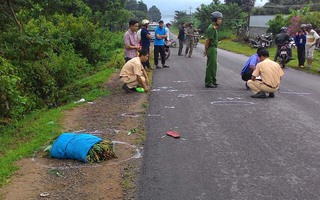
22	138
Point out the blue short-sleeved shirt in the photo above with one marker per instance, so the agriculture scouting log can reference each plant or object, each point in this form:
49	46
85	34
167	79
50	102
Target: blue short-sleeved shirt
160	31
253	60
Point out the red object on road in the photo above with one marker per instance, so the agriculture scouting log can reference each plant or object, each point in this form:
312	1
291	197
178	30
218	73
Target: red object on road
173	134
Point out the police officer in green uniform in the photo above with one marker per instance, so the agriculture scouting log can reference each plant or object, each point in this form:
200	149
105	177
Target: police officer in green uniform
210	49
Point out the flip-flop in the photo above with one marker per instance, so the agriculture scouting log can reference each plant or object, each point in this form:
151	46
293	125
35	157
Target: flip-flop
173	134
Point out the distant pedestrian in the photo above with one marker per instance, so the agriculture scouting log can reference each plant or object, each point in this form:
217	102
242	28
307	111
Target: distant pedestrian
130	41
311	39
189	39
181	37
300	40
210	49
270	73
160	35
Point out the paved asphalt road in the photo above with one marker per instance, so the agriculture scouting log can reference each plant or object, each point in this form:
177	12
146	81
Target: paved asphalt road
231	146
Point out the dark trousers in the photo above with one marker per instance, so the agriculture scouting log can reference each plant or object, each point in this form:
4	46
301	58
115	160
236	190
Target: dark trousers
301	54
147	63
126	59
246	75
157	50
180	46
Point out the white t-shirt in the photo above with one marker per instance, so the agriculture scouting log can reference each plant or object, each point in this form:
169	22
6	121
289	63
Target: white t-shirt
139	35
312	36
168	33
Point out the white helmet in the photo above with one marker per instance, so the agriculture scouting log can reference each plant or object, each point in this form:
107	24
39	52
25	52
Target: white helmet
144	22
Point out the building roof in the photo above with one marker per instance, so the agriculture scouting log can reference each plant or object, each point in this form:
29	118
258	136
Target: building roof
260	20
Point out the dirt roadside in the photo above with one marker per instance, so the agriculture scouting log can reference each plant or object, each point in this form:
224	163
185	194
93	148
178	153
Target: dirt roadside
110	117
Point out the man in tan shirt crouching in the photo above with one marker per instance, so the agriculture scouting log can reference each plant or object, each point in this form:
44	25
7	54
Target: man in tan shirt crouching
133	75
270	73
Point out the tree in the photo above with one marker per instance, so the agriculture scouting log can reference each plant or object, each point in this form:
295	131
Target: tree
139	15
181	16
232	14
238	2
131	5
142	7
154	14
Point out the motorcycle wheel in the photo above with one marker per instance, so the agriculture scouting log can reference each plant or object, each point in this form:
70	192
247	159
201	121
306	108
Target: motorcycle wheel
167	51
282	62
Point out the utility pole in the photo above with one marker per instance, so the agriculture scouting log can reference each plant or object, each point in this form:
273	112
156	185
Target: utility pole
190	9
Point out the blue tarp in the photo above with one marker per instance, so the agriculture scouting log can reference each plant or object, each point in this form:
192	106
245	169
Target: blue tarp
73	146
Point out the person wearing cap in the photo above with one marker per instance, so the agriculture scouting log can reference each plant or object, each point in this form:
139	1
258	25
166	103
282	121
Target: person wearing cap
130	41
210	49
145	41
270	73
160	35
300	41
189	39
311	39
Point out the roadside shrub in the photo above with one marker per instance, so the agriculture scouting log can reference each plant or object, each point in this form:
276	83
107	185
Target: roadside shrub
12	103
48	55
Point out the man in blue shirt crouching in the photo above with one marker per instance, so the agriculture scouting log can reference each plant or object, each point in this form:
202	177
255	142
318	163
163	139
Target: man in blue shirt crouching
250	66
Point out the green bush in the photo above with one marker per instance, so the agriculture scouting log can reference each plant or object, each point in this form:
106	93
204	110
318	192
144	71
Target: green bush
52	53
50	47
12	104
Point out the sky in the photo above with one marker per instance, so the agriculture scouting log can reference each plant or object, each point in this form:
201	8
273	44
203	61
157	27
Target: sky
167	7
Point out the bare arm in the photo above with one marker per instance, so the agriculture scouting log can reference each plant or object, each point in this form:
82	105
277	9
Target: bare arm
142	83
252	67
146	76
128	46
161	36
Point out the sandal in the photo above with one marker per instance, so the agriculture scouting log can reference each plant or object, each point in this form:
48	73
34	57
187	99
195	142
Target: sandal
173	134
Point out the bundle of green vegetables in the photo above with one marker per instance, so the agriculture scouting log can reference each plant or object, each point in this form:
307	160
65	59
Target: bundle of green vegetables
101	151
82	147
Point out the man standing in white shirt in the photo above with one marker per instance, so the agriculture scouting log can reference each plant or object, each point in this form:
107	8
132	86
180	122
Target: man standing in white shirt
311	41
168	31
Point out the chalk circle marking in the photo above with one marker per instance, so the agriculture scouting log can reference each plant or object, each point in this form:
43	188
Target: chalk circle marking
227	103
185	95
129	115
78	165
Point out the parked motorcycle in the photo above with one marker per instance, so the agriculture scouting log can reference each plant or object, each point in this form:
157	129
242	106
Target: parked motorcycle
266	41
167	45
173	43
292	43
255	43
261	41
